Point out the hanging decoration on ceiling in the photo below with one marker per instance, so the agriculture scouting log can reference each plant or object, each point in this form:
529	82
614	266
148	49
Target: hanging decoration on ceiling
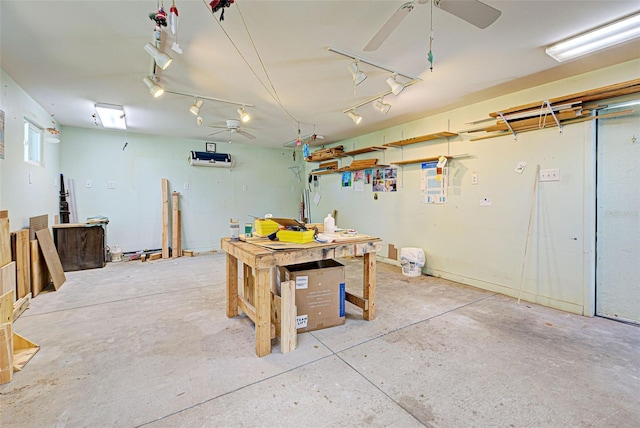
430	54
173	21
216	5
298	140
160	17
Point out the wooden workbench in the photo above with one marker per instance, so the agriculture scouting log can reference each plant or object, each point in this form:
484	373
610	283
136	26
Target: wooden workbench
263	261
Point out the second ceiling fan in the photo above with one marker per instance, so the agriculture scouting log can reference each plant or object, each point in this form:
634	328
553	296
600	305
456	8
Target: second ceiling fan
473	11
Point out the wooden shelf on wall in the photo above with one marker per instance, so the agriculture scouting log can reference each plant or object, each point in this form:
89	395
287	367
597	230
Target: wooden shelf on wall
429	159
421	139
365	150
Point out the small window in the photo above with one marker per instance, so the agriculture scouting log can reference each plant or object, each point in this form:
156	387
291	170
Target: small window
32	143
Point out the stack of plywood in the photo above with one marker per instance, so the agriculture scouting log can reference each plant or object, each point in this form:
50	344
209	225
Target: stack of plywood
326	154
15	350
567	109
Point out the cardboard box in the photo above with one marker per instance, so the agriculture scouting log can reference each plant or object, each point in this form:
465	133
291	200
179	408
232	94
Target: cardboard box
320	293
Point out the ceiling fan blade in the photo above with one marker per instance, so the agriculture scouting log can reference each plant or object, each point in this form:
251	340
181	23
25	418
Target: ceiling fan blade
387	28
473	11
215	133
246	134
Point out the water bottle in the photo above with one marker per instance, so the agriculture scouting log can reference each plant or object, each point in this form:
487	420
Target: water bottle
329	224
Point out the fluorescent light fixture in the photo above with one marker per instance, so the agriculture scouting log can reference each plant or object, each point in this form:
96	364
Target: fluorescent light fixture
162	59
395	86
155	89
358	76
381	106
195	107
244	116
354	116
111	116
609	35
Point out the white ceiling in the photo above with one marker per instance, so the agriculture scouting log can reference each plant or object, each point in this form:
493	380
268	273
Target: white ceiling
68	55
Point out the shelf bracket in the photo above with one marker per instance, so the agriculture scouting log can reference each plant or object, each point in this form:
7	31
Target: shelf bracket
515	135
547	104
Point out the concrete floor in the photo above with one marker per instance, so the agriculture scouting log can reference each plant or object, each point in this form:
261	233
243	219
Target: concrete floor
148	344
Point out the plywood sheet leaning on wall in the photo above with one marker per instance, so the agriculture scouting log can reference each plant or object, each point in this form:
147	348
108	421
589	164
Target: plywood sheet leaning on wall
51	258
39	273
165	218
5	239
6	353
37	223
20	246
8	278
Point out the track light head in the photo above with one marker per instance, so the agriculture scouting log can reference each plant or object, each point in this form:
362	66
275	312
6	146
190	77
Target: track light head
358	76
244	116
199	121
395	86
354	116
382	106
162	59
155	89
195	107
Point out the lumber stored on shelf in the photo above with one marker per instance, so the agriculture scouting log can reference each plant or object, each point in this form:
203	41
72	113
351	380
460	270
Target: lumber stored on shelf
326	154
421	139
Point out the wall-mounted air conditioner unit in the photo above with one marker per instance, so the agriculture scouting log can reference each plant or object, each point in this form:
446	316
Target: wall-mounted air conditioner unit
218	160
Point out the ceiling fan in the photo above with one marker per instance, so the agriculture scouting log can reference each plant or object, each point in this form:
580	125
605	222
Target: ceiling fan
473	11
233	127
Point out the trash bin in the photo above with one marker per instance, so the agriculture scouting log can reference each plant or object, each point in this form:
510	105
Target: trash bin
412	261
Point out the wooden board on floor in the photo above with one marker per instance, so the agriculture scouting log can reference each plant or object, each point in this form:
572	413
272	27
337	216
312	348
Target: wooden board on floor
8	278
37	223
39	272
5	238
51	258
165	218
23	351
20	244
20	306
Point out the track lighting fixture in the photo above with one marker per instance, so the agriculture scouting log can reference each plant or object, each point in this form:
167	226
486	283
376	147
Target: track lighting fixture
382	106
162	59
357	75
396	87
244	116
155	89
354	116
195	107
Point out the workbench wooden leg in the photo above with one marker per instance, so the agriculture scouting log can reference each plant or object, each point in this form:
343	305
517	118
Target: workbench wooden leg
247	279
263	311
369	291
232	286
288	313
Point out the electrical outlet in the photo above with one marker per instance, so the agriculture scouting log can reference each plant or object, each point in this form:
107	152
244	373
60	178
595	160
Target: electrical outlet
550	175
87	183
474	178
111	185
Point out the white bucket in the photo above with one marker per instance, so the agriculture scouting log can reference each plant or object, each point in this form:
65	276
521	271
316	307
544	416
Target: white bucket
116	254
412	260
